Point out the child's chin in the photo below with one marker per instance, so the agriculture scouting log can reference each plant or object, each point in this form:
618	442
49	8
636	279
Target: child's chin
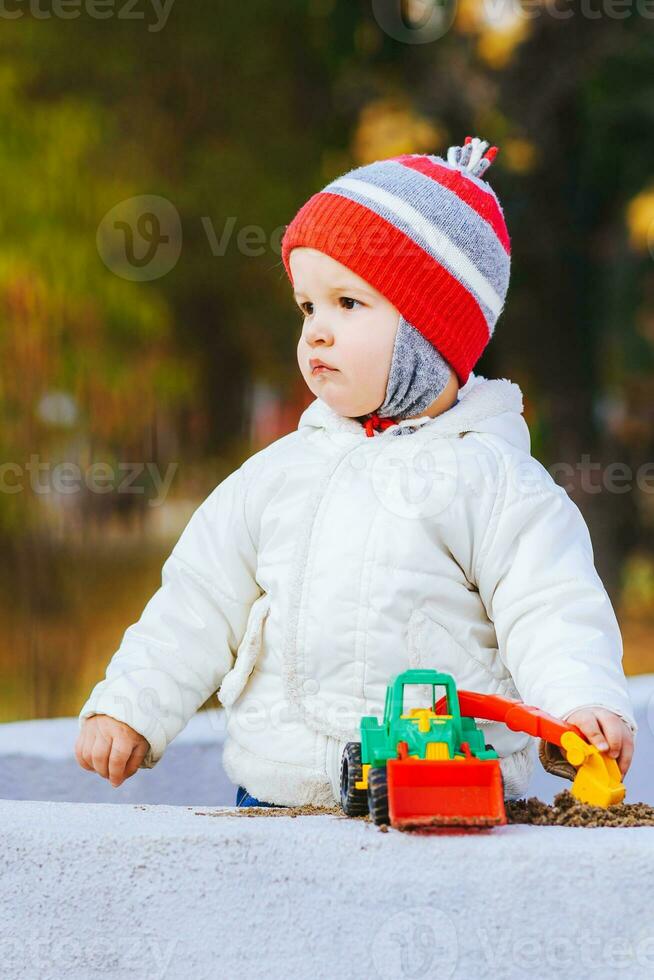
338	399
348	409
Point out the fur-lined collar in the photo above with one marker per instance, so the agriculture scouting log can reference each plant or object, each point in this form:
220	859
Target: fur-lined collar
481	403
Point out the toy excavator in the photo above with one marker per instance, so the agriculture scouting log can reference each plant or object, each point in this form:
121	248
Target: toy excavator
430	767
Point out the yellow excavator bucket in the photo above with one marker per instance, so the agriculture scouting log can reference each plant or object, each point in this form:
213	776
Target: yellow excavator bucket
598	780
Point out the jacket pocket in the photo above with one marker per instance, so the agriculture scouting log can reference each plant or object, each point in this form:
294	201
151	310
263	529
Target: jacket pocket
246	656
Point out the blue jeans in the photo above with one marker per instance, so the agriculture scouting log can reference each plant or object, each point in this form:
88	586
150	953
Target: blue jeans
243	798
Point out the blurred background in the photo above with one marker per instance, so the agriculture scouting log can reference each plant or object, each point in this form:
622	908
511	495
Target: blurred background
152	153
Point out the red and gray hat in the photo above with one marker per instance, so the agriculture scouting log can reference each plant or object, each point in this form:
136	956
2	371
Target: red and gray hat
427	233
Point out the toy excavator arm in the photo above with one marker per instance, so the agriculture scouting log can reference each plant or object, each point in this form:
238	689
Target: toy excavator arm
597	780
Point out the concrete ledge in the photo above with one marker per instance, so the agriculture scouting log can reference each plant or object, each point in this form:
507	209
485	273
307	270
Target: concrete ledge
37	762
93	889
161	891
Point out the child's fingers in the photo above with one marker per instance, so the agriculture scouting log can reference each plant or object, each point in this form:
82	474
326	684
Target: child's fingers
625	757
100	753
614	730
588	723
136	758
121	749
611	735
82	750
607	732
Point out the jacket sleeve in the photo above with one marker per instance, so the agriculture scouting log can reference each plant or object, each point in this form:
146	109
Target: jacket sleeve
556	629
175	656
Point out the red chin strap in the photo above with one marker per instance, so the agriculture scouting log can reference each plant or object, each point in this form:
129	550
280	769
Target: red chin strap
374	423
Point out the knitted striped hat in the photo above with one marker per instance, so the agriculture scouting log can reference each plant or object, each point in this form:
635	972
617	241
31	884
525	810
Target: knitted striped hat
427	233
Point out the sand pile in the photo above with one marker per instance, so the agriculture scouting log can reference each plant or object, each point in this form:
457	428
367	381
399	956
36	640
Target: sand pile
276	811
565	811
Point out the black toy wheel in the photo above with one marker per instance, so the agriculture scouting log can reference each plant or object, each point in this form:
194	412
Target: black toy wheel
378	794
354	801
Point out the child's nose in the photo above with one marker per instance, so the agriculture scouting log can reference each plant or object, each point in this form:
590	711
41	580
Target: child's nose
318	329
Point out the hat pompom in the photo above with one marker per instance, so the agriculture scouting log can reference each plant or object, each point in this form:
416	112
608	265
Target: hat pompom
472	156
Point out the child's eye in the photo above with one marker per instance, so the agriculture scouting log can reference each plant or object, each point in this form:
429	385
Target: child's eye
348	299
348	302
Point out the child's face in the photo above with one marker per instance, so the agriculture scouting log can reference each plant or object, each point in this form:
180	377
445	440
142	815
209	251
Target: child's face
348	325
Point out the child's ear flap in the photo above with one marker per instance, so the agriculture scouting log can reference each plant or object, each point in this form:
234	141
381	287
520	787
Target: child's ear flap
553	760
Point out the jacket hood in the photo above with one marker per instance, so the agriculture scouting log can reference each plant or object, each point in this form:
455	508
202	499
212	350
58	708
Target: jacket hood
485	405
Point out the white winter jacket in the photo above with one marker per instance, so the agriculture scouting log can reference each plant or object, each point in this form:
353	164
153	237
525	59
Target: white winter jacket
330	561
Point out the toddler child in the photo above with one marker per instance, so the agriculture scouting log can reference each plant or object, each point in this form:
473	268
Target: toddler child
340	554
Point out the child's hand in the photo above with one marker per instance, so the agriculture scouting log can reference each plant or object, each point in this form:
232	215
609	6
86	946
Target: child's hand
110	747
606	730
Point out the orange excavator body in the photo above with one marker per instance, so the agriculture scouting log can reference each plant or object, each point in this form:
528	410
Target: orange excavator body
598	780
